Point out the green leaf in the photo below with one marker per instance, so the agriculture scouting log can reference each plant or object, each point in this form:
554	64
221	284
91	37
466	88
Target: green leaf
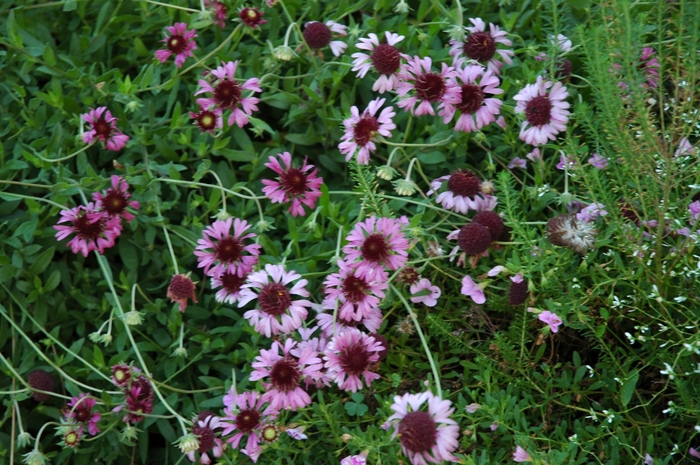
627	389
42	261
300	139
7	272
97	356
49	56
431	158
70	5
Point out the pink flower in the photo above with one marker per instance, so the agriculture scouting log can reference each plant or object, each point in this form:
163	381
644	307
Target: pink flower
318	35
219	10
694	209
227	94
598	161
552	319
230	284
371	320
361	130
517	162
208	119
591	212
139	399
429	87
471	289
535	155
360	459
424	292
79	411
295	185
685	148
565	161
246	414
219	251
355	297
473	407
349	358
115	201
276	312
463	192
180	43
285	371
377	242
520	455
545	111
650	66
481	45
205	429
476	109
385	58
94	230
252	17
430	436
104	127
694	453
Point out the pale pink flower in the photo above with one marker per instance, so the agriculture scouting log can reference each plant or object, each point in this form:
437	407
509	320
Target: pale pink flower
565	162
230	284
546	111
355	297
94	229
482	45
591	212
362	129
473	407
180	43
384	58
476	106
535	155
520	455
430	436
227	94
517	162
598	161
284	372
246	414
552	319
318	35
463	193
562	42
424	292
650	65
276	312
428	87
206	429
103	126
376	242
360	459
298	186
371	320
219	251
471	289
349	358
685	148
694	209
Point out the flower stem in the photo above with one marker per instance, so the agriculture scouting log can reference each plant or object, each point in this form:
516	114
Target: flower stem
172	6
67	157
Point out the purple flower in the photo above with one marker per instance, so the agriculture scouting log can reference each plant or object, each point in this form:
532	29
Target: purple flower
350	357
694	209
428	87
473	407
362	129
180	43
384	58
377	242
650	65
546	111
598	161
294	185
565	161
219	251
104	127
535	155
591	212
94	229
481	45
517	162
360	459
464	192
552	319
227	94
685	148
471	289
476	109
520	455
424	292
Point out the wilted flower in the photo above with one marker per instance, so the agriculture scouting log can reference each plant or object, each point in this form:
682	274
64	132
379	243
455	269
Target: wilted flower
180	289
598	161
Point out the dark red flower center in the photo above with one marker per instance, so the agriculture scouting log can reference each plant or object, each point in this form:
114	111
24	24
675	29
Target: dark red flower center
480	46
177	44
206	438
472	99
365	130
228	250
354	288
114	202
430	87
539	111
102	128
88	230
354	359
274	299
206	120
317	35
293	181
232	282
464	183
375	249
418	432
82	414
564	69
247	419
227	94
181	287
144	387
285	374
386	59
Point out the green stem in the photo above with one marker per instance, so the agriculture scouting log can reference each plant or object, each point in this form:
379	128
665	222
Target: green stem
67	157
58	205
173	6
396	144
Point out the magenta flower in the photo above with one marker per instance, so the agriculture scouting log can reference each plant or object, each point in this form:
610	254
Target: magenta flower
220	12
361	129
520	455
115	201
121	375
208	119
425	436
104	127
79	411
219	252
384	58
349	358
252	17
471	289
295	185
284	372
227	94
205	429
424	292
481	45
230	284
354	296
552	319
464	193
318	35
545	111
428	87
598	161
180	43
476	109
94	230
377	242
371	320
650	65
318	345
139	400
246	414
276	312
